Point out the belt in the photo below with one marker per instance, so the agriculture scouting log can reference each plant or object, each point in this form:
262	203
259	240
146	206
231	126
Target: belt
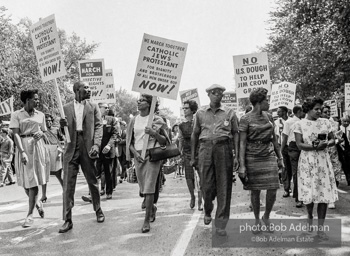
214	142
26	135
259	141
80	132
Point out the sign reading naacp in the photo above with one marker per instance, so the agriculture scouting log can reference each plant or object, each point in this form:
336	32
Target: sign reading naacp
251	71
229	99
110	87
93	73
333	106
47	49
347	96
159	67
6	107
283	94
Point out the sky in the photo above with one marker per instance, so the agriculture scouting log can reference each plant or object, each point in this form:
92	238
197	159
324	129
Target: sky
214	31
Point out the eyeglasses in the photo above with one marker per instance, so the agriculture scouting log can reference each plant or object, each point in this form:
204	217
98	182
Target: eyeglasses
185	108
141	100
49	120
216	92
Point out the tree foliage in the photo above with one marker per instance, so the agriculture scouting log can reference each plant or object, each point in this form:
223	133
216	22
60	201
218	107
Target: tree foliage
126	105
19	67
309	45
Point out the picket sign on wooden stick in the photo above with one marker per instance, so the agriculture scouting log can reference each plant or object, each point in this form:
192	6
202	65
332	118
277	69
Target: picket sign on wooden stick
149	124
60	107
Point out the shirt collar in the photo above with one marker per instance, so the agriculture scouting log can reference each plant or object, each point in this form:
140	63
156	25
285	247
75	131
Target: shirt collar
83	102
221	107
35	111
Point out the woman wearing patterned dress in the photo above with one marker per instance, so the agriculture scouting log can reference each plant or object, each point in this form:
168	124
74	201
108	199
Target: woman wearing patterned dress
28	125
316	181
260	155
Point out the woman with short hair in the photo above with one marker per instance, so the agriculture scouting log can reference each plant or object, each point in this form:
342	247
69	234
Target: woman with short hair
146	171
28	126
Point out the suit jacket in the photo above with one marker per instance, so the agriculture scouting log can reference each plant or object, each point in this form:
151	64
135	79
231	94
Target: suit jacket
122	144
92	128
111	133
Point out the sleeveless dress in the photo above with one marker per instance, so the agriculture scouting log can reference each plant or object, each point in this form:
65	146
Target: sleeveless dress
260	158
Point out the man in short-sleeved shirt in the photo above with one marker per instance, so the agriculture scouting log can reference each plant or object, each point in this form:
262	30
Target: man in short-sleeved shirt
6	155
216	130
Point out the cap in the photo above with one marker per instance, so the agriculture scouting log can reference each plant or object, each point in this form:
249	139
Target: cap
215	86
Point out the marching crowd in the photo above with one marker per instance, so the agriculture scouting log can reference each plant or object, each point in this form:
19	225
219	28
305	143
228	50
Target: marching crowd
305	151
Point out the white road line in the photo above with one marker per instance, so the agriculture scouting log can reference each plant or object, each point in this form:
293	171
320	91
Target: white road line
18	205
185	238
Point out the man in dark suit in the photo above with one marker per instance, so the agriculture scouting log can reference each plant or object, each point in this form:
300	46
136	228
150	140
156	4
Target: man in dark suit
344	147
111	133
83	119
122	151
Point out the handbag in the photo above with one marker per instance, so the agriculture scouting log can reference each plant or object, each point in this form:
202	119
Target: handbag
131	175
170	167
163	152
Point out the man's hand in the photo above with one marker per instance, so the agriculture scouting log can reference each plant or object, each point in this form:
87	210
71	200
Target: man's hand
24	158
38	135
235	164
106	149
94	151
138	158
63	122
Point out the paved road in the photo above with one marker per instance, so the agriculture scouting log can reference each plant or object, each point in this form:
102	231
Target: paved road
178	230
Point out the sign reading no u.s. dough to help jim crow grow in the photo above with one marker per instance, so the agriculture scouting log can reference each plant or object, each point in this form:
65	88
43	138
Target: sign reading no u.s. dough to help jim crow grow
282	94
48	49
93	73
251	71
159	67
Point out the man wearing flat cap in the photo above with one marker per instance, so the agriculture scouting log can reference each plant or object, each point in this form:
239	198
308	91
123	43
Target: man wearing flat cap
216	130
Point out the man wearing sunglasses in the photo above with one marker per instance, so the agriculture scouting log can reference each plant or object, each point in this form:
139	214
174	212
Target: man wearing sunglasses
216	130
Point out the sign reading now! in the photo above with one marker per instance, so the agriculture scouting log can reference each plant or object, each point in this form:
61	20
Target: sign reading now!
93	73
159	67
251	71
48	49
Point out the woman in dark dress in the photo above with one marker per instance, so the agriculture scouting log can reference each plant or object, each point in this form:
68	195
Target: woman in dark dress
258	151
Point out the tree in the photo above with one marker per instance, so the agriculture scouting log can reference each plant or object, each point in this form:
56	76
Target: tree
19	67
126	105
168	114
309	45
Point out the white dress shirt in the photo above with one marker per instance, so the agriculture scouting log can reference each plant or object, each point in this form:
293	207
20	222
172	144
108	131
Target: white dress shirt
79	110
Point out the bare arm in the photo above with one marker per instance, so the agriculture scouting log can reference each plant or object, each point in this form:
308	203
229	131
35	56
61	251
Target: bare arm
19	145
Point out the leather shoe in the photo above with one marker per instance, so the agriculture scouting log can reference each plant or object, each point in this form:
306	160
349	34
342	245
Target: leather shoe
102	192
207	219
286	194
86	199
299	204
221	232
109	196
100	216
68	225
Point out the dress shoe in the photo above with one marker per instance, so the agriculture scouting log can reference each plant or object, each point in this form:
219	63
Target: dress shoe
143	205
145	228
28	222
221	232
207	219
109	196
192	203
40	209
67	225
331	206
286	194
86	199
100	216
153	214
102	192
299	204
200	208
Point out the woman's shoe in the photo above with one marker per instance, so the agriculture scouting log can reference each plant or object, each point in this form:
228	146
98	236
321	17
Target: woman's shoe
43	199
256	229
145	228
40	209
192	203
28	222
267	224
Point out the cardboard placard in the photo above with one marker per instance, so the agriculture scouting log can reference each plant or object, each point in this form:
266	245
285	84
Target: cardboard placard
283	94
333	106
6	106
251	71
48	49
110	87
230	100
93	73
159	67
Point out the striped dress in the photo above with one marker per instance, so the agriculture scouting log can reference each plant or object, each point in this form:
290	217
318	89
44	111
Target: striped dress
260	158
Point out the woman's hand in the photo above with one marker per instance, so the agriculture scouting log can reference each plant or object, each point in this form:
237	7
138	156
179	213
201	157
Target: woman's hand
322	145
24	158
150	131
138	157
242	172
280	163
38	135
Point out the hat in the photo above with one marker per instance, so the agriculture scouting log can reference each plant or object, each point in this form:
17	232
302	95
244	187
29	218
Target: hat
215	86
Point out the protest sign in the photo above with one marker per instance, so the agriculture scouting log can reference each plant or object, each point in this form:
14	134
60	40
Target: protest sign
283	94
47	48
251	71
191	94
6	107
93	73
347	96
110	87
333	106
230	100
159	67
